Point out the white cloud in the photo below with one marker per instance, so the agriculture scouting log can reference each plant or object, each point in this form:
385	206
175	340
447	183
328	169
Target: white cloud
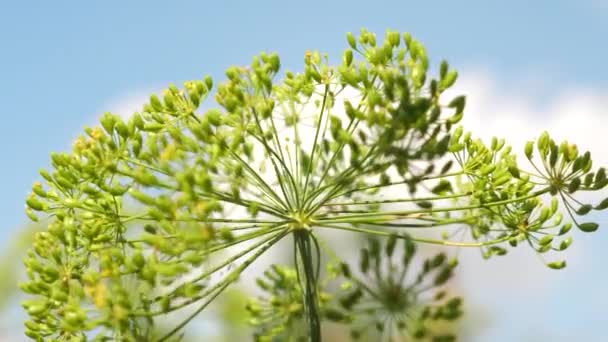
600	4
127	104
518	114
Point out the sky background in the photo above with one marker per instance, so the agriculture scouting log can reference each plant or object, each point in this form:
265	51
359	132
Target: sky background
524	65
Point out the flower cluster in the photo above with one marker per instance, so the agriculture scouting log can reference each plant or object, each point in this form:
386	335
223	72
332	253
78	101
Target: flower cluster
141	207
388	298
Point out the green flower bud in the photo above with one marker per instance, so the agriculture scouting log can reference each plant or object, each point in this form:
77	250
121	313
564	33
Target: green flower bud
275	62
514	171
574	185
572	152
501	180
153	127
393	38
156	104
584	209
335	315
443	69
603	204
443	276
558	219
347	57
208	82
30	214
232	73
214	116
75	317
169	100
45	175
545	240
32	334
35	307
544	214
33	203
565	228
371	38
528	149
565	243
352	42
449	80
588	227
458	103
446	167
554	154
138	121
107	122
345	269
543	143
418	75
600	175
407	39
486	170
557	265
425	204
122	129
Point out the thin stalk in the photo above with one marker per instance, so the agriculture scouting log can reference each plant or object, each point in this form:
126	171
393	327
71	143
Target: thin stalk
398	200
314	144
398	183
271	152
207	220
232	259
335	188
352	126
293	182
422	240
220	287
307	275
420	225
263	186
395	215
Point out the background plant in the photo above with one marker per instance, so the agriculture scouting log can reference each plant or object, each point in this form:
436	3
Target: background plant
141	209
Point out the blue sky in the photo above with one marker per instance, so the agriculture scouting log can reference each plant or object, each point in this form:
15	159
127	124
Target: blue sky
64	63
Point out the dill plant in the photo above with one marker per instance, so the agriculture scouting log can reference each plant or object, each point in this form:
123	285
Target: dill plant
139	208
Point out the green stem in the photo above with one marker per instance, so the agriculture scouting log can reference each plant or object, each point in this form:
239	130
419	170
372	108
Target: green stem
307	275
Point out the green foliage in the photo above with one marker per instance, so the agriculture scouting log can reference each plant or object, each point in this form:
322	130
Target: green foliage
141	206
279	314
